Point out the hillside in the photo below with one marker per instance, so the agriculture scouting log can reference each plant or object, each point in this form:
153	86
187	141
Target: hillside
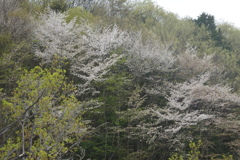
116	80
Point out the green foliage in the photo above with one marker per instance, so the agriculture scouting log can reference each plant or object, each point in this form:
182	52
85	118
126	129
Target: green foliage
55	5
15	33
6	150
176	157
231	35
47	115
114	92
15	58
59	5
195	154
80	14
41	4
6	43
41	118
208	22
195	150
230	157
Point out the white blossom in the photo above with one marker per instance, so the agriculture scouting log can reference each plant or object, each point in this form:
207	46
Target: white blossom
92	69
91	51
144	58
188	104
103	40
183	95
190	64
55	36
98	54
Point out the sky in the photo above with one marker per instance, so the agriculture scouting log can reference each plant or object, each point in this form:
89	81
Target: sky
223	10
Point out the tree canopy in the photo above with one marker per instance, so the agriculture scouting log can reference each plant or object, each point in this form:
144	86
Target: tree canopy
116	79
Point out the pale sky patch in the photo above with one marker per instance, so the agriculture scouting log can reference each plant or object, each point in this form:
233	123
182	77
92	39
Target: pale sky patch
222	10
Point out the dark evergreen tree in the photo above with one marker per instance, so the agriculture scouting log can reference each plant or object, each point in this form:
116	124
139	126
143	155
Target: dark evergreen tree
59	5
208	21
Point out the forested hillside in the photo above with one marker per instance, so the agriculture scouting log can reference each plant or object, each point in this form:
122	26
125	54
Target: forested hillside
116	80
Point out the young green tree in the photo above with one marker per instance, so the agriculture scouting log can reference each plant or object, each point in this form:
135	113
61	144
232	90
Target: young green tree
195	153
44	117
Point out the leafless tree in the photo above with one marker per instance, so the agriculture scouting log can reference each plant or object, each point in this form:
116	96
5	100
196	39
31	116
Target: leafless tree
14	19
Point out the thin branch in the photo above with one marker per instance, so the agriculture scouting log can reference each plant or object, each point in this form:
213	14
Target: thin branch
4	130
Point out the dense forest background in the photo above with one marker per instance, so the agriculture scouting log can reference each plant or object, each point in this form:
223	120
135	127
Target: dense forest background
116	80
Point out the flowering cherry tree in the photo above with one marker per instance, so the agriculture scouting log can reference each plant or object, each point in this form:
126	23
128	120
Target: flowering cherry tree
192	100
56	37
100	53
188	103
149	57
91	51
189	64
